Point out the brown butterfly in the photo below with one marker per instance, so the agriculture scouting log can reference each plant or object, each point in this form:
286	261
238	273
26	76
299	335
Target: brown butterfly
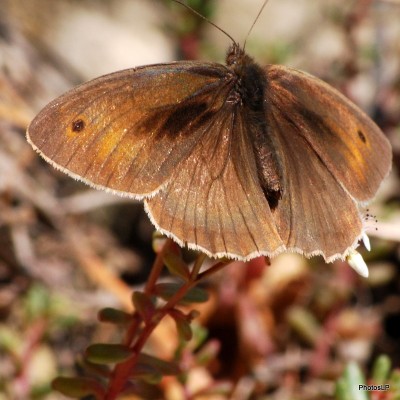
235	160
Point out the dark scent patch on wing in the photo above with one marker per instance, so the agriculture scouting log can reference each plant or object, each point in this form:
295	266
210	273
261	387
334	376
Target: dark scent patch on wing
362	136
207	71
78	125
178	120
181	117
313	120
312	117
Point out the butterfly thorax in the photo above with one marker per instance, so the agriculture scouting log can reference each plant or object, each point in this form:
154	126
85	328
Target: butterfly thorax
250	79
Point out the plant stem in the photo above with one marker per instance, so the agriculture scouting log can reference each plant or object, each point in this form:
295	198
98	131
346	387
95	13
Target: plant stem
123	371
197	265
157	267
151	281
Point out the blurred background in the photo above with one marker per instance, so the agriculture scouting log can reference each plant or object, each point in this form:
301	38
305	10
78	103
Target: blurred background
284	331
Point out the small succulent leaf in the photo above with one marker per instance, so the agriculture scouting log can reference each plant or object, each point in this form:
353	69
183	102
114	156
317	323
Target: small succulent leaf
107	353
176	266
381	369
193	314
304	323
114	316
164	367
143	305
78	387
200	335
182	325
208	353
395	384
142	389
147	373
342	390
196	295
100	370
168	289
354	378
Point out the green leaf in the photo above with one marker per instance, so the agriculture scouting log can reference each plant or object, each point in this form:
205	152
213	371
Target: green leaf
304	323
10	341
223	388
37	302
342	390
348	385
355	378
381	369
107	353
395	384
143	390
143	305
182	325
193	314
100	370
164	367
167	290
147	373
114	316
200	335
78	387
208	352
176	266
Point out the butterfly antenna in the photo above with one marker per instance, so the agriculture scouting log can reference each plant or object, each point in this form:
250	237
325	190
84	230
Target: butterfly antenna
205	19
252	26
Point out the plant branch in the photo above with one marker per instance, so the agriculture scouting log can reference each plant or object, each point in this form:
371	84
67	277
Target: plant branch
123	371
157	267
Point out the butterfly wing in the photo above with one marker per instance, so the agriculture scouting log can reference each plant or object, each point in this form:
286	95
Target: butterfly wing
333	158
127	131
169	133
214	201
351	146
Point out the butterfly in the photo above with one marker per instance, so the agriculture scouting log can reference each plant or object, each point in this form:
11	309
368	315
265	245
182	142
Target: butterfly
234	160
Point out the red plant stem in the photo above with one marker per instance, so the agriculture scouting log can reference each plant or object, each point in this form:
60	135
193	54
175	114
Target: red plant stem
151	281
157	267
123	370
35	335
197	265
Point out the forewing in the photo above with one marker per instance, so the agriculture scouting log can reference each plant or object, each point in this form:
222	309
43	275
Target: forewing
128	131
347	141
333	156
214	201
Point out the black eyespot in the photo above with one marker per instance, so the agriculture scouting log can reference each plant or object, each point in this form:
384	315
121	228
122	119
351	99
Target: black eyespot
362	136
78	125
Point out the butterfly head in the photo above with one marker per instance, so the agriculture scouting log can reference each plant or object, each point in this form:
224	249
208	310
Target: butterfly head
237	59
235	54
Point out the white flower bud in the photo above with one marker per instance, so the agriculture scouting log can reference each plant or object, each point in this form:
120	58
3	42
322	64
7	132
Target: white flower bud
356	262
366	242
